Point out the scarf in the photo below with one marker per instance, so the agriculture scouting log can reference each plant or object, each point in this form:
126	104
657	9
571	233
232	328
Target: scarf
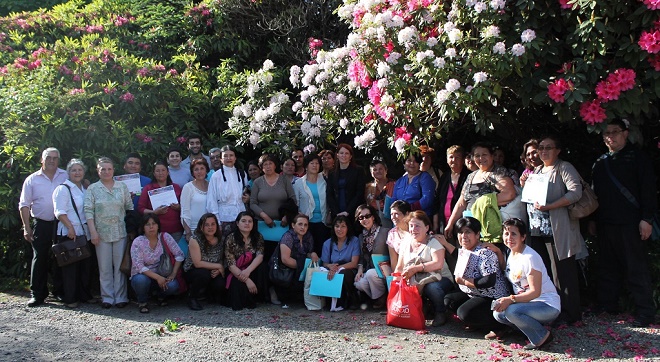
369	237
242	263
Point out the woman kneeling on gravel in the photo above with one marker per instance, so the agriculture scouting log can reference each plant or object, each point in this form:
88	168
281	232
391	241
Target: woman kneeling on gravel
204	267
422	263
146	252
244	252
534	301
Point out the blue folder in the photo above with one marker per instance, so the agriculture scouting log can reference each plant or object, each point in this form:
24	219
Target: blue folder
377	259
272	234
323	287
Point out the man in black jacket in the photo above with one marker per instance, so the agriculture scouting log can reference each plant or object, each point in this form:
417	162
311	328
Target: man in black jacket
624	181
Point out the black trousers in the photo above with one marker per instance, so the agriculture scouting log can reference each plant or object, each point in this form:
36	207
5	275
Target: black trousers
475	312
76	279
563	273
624	258
200	279
43	235
320	233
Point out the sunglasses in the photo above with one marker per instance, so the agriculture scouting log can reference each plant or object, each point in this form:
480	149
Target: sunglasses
363	217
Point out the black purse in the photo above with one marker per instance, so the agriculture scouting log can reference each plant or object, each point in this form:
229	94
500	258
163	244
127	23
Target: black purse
68	251
278	273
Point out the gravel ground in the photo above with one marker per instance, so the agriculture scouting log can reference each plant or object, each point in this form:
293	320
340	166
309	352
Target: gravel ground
269	333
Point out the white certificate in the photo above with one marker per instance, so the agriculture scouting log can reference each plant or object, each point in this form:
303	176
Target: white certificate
536	189
163	196
464	256
132	181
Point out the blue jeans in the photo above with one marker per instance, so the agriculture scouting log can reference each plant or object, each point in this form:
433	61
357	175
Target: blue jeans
436	291
143	285
529	318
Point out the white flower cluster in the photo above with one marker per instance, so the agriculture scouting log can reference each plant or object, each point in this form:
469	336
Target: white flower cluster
312	128
517	50
365	140
451	53
408	36
400	145
454	35
423	55
480	77
497	4
527	36
490	32
452	85
499	48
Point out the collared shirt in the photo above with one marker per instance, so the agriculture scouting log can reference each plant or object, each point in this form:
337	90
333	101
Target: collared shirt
331	253
63	206
186	161
37	193
107	208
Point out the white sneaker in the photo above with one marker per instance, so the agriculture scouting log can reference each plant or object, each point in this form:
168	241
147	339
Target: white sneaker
273	296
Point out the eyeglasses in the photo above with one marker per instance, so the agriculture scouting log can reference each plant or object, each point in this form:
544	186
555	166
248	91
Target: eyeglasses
546	148
215	157
612	133
363	217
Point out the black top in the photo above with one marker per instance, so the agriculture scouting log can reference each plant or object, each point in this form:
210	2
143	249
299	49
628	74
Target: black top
354	192
634	170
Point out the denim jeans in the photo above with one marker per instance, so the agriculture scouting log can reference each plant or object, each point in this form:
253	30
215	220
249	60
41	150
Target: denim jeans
436	291
529	318
143	285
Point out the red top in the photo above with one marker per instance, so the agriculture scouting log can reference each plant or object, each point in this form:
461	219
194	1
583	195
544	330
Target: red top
170	222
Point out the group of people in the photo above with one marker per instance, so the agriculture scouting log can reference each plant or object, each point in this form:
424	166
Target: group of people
463	236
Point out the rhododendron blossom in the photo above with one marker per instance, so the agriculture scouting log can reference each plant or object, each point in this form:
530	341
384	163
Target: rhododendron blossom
650	41
592	112
557	89
652	4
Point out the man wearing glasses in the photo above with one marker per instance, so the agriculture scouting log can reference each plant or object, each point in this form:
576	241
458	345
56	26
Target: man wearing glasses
624	181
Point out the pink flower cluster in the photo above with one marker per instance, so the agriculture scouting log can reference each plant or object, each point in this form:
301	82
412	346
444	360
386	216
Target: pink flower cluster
75	91
650	41
143	137
417	4
402	132
198	13
592	112
314	46
652	4
94	29
357	72
374	95
557	89
181	139
618	81
120	20
565	5
127	97
654	60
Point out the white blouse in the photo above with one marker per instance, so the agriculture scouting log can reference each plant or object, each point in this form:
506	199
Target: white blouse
63	206
193	205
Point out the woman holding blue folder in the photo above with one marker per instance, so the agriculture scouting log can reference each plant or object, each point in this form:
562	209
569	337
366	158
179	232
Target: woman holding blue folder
372	241
295	246
340	256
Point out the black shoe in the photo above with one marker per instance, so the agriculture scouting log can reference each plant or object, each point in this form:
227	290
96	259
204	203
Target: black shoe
641	322
545	342
121	305
194	304
106	305
33	302
439	320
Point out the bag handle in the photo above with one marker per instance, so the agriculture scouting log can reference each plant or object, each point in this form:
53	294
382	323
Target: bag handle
626	193
73	203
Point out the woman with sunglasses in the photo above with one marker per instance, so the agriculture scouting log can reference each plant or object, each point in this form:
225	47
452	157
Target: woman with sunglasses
373	241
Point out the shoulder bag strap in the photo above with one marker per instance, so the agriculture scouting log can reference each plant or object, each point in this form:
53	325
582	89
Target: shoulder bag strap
626	193
73	203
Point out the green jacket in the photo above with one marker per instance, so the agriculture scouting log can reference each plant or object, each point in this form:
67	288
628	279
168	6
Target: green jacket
486	211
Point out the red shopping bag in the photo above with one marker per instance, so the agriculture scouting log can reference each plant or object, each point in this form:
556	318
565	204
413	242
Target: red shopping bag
404	306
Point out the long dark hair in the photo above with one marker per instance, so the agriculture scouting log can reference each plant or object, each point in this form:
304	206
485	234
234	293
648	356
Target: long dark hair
199	234
163	163
254	233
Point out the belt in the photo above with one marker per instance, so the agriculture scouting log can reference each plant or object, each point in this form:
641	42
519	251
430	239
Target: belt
42	220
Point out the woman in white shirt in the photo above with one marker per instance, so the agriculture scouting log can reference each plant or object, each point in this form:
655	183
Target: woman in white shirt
535	301
225	194
75	276
193	197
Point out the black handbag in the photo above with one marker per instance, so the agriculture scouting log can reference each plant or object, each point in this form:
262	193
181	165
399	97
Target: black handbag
278	273
68	251
165	265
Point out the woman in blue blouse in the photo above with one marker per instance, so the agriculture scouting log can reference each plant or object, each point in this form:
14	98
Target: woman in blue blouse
415	187
340	255
310	191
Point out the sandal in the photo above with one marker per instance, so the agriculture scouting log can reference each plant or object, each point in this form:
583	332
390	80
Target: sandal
144	308
162	302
